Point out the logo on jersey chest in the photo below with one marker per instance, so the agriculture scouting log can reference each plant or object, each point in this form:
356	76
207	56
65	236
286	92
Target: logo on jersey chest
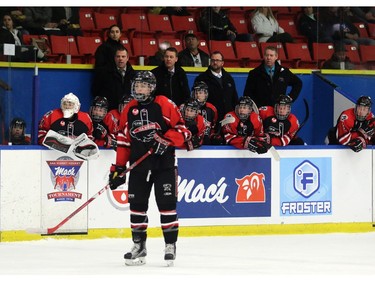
142	128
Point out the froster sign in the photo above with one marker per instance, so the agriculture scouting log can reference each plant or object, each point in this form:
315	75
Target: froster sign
224	187
305	187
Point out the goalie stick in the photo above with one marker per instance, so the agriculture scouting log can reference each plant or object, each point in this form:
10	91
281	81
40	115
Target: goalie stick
52	230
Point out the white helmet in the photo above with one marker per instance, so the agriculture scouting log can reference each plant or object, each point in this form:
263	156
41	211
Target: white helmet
70	105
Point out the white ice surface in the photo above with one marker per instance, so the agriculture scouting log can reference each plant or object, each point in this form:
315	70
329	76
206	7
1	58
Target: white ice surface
264	257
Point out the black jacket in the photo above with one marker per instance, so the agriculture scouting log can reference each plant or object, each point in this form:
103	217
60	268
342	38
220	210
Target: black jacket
263	91
185	59
224	97
111	85
176	87
105	54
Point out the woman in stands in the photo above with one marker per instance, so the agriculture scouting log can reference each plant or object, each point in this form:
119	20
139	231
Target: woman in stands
267	28
105	53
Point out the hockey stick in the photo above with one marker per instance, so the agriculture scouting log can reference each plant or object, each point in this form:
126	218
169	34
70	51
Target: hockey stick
306	116
131	167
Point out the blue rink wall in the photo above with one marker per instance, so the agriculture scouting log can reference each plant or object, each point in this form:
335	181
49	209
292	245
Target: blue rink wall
57	80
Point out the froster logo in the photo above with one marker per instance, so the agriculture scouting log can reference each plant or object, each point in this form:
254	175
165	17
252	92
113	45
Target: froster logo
306	178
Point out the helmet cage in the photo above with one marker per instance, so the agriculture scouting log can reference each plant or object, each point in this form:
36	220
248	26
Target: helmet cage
142	79
99	109
362	103
197	89
244	108
190	110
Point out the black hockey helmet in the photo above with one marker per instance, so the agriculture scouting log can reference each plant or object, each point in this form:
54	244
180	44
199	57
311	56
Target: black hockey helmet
286	102
99	108
189	109
147	78
244	108
17	123
363	101
123	102
197	88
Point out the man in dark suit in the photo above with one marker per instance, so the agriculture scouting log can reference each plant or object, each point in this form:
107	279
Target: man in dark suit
192	55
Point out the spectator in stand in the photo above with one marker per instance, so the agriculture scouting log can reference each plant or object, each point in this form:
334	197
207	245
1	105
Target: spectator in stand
366	14
310	27
171	79
158	58
67	19
215	23
17	16
105	53
338	60
267	28
269	80
355	126
115	82
11	35
17	130
221	86
192	55
39	21
341	29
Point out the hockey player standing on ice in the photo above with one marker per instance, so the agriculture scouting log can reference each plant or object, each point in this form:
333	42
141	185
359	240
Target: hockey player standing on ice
279	124
67	120
355	126
148	122
194	122
243	128
101	121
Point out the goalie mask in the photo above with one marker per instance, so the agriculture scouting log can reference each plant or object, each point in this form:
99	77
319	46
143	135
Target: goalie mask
123	102
99	109
189	109
70	105
143	86
200	93
244	108
362	108
17	129
283	107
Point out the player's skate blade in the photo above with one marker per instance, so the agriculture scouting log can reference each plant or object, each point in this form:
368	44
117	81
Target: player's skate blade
135	262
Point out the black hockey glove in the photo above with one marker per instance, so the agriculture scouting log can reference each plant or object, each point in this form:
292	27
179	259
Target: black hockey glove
194	143
217	139
160	144
367	129
100	132
357	144
258	146
193	129
114	179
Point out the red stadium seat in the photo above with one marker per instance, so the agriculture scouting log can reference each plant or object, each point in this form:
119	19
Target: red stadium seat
226	48
289	26
248	53
322	52
87	47
240	22
86	21
176	43
204	46
63	46
144	47
362	29
299	52
368	56
162	26
104	21
135	25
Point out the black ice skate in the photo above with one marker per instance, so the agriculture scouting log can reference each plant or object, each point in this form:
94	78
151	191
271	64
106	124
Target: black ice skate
137	255
170	253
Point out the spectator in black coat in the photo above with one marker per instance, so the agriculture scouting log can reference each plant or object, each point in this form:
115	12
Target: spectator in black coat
339	60
192	55
67	19
171	79
264	89
105	53
221	86
113	83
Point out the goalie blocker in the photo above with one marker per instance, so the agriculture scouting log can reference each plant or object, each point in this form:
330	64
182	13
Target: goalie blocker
82	147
